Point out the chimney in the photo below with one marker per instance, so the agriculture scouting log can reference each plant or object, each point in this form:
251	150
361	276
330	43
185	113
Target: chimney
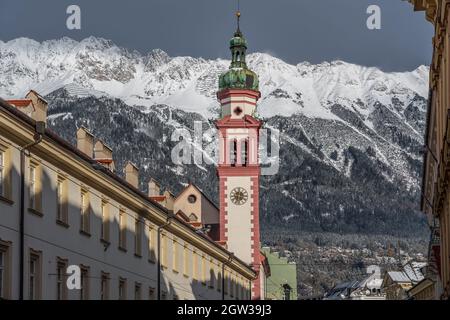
169	201
40	105
153	188
132	174
104	155
85	141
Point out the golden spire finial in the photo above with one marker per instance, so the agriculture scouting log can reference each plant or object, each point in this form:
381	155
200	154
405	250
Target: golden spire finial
238	15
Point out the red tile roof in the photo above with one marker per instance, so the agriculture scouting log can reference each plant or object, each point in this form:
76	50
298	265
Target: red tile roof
20	103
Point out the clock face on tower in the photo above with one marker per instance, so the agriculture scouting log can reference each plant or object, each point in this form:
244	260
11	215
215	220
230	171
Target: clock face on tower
239	196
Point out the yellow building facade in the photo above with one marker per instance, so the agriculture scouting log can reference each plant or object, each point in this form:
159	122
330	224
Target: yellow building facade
74	210
436	173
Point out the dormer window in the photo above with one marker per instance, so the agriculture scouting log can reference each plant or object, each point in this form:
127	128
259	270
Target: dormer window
193	218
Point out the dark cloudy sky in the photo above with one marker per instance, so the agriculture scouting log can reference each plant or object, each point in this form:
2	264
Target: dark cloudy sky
293	30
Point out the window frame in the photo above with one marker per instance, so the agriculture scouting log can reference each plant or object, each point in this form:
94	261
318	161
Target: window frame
35	278
85	212
5	286
61	287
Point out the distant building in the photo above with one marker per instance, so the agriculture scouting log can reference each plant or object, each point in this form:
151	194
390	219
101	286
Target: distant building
396	284
281	283
368	288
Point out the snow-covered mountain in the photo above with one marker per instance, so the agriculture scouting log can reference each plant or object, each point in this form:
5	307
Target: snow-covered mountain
351	136
96	66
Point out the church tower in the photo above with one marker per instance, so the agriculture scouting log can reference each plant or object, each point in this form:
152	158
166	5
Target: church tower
238	167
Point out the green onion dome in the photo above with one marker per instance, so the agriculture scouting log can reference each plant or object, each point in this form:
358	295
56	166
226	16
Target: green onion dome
239	76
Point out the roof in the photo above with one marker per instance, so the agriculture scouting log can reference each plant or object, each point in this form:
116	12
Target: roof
398	276
21	103
201	192
56	139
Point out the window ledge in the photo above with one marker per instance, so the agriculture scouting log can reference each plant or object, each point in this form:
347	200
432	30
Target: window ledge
185	275
122	249
85	233
62	223
137	255
35	212
152	261
6	200
105	242
175	271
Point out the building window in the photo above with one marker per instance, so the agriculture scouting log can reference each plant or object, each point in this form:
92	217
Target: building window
233	154
5	172
225	283
122	230
122	289
104	232
203	270
137	291
85	212
186	260
84	281
34	275
138	237
193	218
244	153
151	244
5	269
195	265
163	295
2	172
231	286
151	293
61	200
61	279
104	286
219	280
175	253
211	274
192	198
163	250
34	188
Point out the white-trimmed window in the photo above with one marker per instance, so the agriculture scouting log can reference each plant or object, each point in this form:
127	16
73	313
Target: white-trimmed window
84	281
175	253
195	265
151	244
5	172
186	260
5	270
211	274
61	279
104	286
151	293
203	271
34	275
104	232
137	291
122	289
163	252
32	186
138	237
122	230
85	211
61	200
2	172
